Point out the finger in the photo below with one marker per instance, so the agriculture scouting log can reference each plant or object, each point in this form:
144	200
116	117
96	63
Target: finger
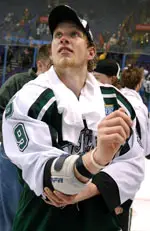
117	129
118	210
120	113
66	198
53	199
122	109
113	139
125	117
51	196
117	121
58	205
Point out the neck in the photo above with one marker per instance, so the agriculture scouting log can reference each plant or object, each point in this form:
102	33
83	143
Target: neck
137	88
73	78
38	73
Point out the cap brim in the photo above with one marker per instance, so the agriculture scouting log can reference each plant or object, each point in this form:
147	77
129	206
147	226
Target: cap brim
60	14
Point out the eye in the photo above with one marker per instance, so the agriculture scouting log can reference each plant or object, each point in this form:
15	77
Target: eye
58	34
75	34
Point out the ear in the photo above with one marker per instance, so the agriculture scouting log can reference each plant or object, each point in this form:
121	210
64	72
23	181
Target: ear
39	65
50	57
91	52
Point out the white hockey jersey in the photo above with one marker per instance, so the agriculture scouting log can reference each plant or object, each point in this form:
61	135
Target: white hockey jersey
142	114
35	123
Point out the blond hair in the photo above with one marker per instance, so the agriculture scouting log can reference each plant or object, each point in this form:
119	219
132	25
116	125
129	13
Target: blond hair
92	63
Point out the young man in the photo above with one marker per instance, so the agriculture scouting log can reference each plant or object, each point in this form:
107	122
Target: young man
10	188
74	145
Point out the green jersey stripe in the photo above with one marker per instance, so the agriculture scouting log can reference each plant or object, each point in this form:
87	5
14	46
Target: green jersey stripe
107	90
110	95
125	102
41	101
45	109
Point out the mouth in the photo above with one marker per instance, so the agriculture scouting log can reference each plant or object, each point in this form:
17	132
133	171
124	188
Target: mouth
64	50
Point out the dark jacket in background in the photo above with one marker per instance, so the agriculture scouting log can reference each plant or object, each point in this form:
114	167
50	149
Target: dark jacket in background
10	87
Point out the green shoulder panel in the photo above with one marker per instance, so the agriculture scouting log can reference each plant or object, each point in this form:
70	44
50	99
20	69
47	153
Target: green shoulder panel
40	103
45	109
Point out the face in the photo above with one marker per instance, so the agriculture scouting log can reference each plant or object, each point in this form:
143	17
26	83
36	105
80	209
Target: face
140	84
70	47
102	78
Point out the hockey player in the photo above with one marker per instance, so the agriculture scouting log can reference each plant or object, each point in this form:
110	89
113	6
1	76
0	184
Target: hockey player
72	141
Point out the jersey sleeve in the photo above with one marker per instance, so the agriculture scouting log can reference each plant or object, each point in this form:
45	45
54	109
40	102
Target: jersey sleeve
27	141
142	115
121	179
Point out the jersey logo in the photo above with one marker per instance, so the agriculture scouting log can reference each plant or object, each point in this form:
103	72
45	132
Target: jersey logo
9	110
21	136
109	108
57	179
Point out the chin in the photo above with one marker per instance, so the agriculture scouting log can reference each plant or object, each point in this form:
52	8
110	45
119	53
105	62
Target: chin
65	62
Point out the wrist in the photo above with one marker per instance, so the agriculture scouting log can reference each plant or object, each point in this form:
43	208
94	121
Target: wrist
97	161
90	163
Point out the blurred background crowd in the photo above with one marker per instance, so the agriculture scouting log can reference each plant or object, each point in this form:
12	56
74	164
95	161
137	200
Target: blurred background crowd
121	29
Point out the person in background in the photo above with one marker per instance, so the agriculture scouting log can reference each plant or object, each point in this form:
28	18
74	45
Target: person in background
142	89
146	85
10	187
107	71
131	81
71	139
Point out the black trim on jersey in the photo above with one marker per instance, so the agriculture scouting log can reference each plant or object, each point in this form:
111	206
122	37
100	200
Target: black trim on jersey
40	103
124	218
108	189
138	128
85	124
124	149
47	174
127	204
54	120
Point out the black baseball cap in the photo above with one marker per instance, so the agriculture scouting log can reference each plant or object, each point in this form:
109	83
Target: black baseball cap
63	13
108	67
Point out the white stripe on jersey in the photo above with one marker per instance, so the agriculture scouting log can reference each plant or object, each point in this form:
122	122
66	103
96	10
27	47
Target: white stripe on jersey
44	109
109	95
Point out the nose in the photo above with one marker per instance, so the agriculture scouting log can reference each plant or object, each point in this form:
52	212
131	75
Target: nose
64	39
